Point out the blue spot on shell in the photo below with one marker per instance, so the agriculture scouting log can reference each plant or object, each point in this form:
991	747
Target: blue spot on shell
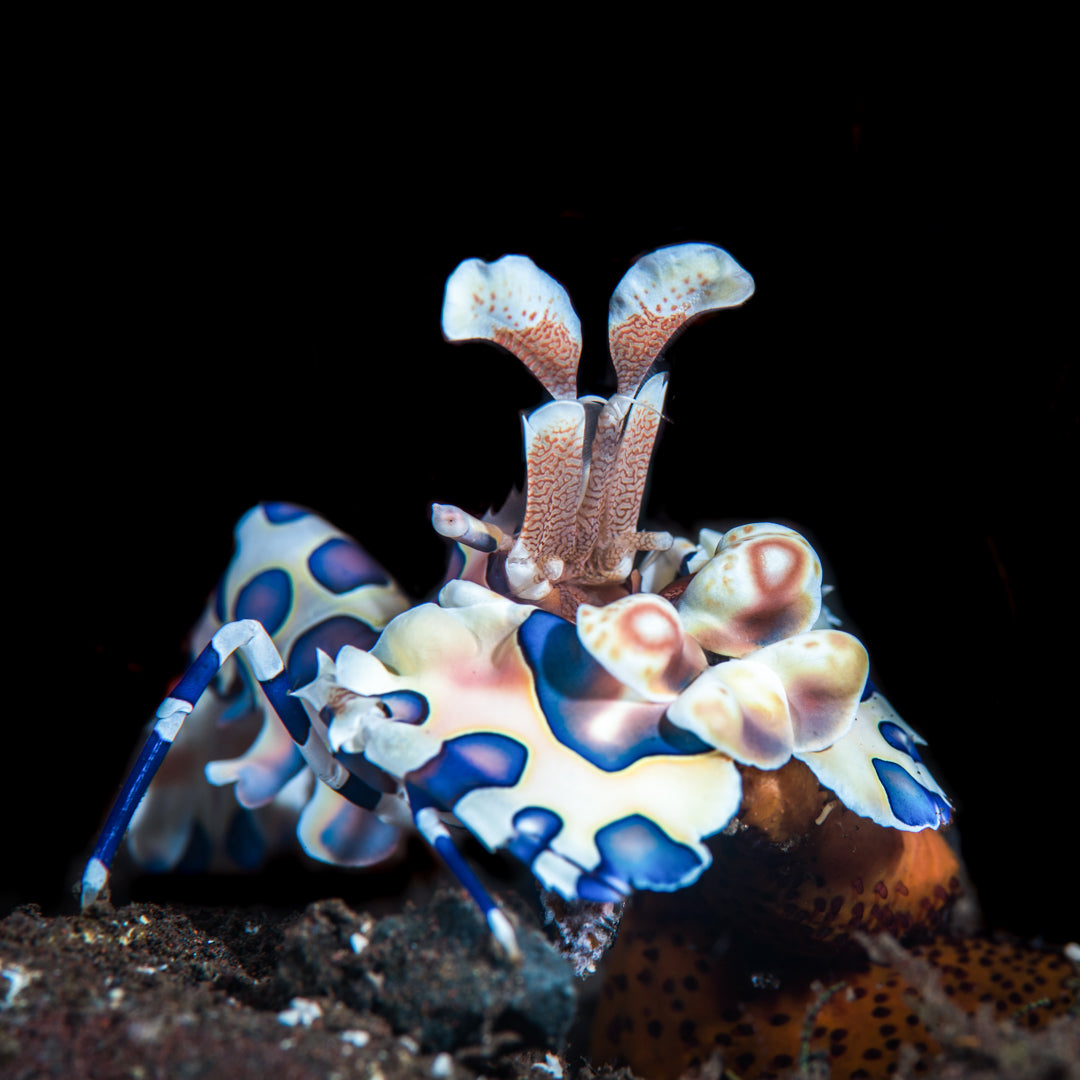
281	513
244	843
580	699
635	853
331	635
482	760
913	804
266	597
868	690
536	828
406	706
342	565
899	739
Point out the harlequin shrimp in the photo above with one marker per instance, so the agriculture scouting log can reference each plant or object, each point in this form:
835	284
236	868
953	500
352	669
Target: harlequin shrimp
613	726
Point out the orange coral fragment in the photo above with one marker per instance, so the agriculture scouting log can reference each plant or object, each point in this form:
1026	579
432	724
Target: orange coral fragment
670	1003
739	964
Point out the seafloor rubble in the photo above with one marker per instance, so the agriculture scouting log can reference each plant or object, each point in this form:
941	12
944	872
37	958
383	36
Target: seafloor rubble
152	991
149	991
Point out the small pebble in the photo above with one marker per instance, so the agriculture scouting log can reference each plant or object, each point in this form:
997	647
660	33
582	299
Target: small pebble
300	1012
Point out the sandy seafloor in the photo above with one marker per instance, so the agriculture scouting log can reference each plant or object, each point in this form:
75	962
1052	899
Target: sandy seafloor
151	990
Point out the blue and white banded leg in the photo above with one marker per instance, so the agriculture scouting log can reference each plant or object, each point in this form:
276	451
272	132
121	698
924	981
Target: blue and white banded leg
251	639
431	828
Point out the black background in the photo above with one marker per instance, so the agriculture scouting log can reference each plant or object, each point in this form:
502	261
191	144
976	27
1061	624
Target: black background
229	303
